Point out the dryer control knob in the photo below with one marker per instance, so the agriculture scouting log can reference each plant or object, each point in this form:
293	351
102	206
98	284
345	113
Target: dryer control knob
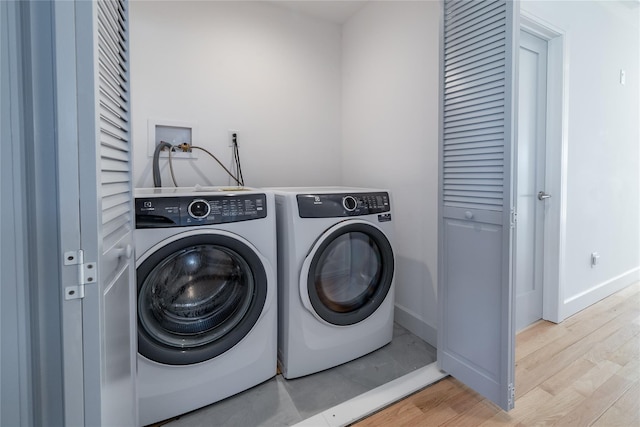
350	203
199	209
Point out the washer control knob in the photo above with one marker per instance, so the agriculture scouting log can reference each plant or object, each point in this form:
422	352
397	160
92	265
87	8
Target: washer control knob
350	203
199	209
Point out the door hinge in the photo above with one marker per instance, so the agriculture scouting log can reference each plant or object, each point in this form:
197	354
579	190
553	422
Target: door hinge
512	396
86	274
514	217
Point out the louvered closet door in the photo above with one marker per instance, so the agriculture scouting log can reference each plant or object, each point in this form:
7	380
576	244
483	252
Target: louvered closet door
99	68
475	331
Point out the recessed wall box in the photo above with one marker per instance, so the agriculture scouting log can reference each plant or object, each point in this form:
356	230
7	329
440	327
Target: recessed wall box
174	133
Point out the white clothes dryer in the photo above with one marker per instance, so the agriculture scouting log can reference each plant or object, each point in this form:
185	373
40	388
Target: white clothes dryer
207	306
335	276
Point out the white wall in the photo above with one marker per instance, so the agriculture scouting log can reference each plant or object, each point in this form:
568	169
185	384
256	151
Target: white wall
283	83
603	142
322	104
390	127
267	72
390	138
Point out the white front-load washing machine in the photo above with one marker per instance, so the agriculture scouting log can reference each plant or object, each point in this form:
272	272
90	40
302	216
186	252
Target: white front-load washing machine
207	305
335	276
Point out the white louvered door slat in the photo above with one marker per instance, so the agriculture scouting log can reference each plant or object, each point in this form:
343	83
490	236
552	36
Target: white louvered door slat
475	332
116	225
108	327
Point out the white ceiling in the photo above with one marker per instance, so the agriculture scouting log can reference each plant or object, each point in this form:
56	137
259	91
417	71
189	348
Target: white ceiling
334	11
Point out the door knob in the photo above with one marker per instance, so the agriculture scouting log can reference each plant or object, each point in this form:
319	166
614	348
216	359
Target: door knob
125	251
542	195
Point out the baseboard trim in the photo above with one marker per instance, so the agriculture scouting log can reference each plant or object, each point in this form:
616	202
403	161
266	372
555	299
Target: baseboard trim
374	400
416	325
596	293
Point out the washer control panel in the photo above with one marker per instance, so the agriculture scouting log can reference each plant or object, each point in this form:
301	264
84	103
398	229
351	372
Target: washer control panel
159	212
342	205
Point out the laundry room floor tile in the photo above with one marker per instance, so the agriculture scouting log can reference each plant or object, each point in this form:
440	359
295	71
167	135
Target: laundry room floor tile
267	404
280	402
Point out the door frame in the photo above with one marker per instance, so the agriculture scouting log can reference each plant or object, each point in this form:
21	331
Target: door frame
18	266
64	53
556	163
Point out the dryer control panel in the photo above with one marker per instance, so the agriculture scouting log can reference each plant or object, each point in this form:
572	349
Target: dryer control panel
342	205
159	212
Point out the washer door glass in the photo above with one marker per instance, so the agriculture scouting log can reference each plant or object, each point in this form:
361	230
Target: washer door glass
198	298
350	274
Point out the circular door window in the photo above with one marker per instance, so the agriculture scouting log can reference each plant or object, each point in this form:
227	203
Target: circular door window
350	274
197	298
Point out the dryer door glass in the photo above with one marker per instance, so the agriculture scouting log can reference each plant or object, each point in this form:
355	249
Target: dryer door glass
197	301
351	274
348	272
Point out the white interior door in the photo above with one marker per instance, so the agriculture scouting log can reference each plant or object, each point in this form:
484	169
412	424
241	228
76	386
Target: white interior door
475	293
96	205
530	201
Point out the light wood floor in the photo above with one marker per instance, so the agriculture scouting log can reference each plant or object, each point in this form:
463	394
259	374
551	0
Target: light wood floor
584	371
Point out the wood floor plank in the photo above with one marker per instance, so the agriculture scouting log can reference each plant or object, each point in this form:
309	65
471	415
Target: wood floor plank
602	320
396	415
610	346
501	419
436	418
631	370
536	337
583	371
530	403
464	400
628	352
479	413
603	308
564	378
563	357
436	395
597	403
624	412
550	412
587	384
